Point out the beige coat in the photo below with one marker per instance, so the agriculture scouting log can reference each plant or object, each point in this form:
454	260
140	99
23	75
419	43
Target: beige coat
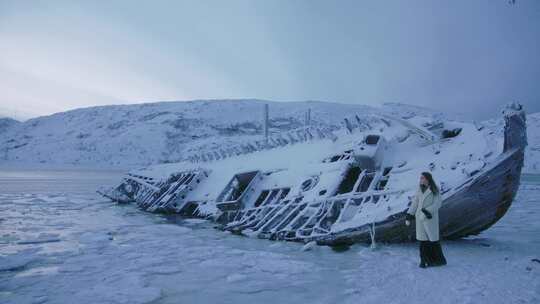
426	229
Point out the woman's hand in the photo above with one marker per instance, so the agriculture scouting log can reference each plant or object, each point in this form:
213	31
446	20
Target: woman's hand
427	213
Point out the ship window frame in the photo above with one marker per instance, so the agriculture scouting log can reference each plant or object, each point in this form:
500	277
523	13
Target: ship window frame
346	185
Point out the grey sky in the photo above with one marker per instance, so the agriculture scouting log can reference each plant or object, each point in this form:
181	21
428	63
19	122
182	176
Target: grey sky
460	55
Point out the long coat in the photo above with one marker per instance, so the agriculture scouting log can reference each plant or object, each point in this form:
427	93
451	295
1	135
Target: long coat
426	229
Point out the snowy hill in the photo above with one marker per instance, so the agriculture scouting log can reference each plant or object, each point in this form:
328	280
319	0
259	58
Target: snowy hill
142	134
6	123
129	135
532	154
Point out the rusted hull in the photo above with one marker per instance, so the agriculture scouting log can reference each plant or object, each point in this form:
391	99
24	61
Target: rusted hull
474	208
467	209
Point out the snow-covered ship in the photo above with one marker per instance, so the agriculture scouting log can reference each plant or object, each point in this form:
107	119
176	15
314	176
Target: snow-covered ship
343	186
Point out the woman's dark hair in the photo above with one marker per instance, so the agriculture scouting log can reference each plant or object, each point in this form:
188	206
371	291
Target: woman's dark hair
432	185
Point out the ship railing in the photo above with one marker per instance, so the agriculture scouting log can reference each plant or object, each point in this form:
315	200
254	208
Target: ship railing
359	122
279	140
296	218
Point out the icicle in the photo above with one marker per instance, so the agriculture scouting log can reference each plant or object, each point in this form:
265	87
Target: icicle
359	121
320	133
292	140
244	148
272	141
223	153
348	125
309	246
331	135
309	134
372	236
301	135
260	145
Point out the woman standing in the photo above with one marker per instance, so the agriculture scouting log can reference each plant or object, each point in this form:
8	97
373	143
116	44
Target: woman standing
425	210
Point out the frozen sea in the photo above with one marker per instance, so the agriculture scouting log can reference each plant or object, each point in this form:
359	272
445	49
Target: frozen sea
60	242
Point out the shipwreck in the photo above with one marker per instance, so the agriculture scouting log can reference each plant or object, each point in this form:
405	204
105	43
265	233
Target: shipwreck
341	186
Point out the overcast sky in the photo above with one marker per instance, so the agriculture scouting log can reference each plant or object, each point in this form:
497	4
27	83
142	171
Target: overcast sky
459	55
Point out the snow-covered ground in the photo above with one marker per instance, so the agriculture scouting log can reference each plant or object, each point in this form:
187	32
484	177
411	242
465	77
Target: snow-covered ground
61	243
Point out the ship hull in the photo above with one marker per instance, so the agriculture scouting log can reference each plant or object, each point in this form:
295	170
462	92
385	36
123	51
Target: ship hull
478	205
275	211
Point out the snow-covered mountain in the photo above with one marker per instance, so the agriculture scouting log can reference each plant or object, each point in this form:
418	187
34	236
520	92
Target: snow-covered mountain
6	123
142	134
532	154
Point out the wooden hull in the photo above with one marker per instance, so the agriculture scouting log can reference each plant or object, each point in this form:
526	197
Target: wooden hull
478	205
467	209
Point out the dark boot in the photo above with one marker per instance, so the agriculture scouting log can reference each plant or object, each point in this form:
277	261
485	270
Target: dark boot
428	251
437	254
423	263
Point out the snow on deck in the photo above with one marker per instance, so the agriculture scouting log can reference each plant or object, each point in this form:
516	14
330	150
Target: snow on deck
452	161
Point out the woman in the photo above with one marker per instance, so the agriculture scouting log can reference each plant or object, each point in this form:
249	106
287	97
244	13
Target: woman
425	209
